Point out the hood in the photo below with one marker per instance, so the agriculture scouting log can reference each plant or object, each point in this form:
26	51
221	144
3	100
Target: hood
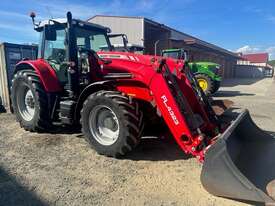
127	56
204	63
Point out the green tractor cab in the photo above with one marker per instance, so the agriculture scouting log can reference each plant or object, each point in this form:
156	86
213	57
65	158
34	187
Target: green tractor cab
208	74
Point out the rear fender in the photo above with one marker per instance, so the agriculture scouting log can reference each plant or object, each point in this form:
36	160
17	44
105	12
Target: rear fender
46	74
209	74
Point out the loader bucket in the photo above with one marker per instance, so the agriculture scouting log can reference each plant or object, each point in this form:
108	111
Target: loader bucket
241	164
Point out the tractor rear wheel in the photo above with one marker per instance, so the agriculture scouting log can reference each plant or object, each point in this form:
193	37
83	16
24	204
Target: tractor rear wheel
111	123
29	101
206	83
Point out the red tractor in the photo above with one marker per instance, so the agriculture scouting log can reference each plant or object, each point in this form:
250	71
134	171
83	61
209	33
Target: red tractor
112	95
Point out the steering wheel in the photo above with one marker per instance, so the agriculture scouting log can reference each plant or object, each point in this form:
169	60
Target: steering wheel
88	51
54	61
93	53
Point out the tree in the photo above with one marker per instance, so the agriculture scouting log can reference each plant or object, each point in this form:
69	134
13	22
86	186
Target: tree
272	63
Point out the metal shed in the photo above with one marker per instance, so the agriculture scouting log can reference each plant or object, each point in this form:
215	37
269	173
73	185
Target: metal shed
140	31
153	35
10	55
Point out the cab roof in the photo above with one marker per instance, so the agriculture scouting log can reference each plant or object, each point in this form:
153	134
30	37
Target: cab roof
74	21
172	50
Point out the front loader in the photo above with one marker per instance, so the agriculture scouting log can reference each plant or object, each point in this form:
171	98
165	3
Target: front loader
113	95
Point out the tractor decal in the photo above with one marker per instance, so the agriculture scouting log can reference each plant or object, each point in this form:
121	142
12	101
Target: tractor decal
170	110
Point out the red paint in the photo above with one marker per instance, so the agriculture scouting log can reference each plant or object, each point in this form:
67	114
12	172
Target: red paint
256	58
153	87
149	85
136	92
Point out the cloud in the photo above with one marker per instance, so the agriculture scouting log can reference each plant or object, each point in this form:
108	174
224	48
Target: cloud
17	13
248	49
264	14
252	9
146	4
18	27
14	23
271	51
13	14
60	8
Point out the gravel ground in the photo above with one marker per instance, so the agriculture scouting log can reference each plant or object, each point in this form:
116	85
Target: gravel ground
59	168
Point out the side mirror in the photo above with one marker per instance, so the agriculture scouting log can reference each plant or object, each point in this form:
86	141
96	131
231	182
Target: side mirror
50	33
125	40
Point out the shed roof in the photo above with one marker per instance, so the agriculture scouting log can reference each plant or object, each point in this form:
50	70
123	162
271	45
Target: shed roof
256	58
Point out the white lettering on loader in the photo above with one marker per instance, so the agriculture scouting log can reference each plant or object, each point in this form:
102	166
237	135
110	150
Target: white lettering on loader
170	110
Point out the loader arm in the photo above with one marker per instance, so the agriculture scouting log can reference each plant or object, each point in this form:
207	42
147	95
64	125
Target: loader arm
237	164
183	123
183	113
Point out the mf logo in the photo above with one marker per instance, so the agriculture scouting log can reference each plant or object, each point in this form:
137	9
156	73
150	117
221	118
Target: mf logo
170	110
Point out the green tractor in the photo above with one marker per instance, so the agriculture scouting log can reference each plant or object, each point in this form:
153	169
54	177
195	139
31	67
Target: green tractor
208	74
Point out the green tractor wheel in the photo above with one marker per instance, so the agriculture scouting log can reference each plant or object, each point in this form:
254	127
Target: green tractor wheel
205	83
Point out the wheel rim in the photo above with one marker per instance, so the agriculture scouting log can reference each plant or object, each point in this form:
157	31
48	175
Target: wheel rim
203	84
104	125
26	102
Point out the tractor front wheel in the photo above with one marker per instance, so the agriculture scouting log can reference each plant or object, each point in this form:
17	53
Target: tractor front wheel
206	83
111	123
29	101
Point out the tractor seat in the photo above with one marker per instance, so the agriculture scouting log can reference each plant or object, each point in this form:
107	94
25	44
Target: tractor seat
56	61
61	72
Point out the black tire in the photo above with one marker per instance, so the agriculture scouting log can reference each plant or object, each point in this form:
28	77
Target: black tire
129	119
217	85
40	120
210	83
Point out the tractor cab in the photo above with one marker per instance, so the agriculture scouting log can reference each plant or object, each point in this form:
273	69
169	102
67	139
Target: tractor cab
67	42
175	54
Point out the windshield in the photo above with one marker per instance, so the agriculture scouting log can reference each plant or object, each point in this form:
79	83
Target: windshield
91	39
174	55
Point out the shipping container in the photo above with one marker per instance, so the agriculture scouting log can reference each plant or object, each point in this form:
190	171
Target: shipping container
10	55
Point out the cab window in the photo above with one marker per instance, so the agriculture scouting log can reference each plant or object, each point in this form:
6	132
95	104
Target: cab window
55	51
91	40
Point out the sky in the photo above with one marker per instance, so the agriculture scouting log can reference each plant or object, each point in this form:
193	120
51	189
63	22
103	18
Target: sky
246	26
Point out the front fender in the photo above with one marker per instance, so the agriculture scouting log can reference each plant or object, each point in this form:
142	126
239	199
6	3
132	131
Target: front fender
45	72
91	88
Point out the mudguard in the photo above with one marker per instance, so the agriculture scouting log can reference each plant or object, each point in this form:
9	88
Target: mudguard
46	74
241	163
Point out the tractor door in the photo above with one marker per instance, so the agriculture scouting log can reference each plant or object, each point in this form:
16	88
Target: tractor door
55	52
90	41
